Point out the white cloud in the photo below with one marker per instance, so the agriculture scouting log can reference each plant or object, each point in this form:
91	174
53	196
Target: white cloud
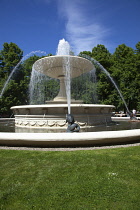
83	28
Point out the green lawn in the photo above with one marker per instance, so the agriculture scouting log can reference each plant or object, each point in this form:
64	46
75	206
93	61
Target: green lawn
97	179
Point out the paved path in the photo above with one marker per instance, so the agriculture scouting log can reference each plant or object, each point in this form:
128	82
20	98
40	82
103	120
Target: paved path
68	148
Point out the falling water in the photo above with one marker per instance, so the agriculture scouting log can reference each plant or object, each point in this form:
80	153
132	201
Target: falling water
39	83
93	79
84	87
64	49
36	94
67	70
15	68
108	74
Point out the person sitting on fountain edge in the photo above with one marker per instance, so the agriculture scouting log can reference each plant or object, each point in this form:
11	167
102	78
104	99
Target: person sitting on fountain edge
72	126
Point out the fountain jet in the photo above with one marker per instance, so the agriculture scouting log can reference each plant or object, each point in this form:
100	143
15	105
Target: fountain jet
63	67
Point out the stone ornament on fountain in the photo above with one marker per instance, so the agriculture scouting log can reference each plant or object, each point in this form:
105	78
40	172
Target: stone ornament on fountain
72	126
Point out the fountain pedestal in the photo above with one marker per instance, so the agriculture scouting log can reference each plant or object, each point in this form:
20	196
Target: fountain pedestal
61	98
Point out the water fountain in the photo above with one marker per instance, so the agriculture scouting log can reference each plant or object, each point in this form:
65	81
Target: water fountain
52	116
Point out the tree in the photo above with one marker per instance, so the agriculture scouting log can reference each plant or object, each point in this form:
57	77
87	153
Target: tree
10	56
104	85
124	69
125	73
137	78
138	48
16	92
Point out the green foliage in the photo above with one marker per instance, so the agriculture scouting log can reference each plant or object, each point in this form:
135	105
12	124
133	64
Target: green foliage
125	72
9	57
98	179
28	63
104	57
16	92
124	67
138	48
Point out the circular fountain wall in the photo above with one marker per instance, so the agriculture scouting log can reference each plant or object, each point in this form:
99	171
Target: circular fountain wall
53	116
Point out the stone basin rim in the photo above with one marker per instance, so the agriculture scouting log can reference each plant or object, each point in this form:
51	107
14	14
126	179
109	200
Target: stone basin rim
68	139
52	66
62	105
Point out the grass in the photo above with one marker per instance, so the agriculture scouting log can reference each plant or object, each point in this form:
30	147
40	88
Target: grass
97	179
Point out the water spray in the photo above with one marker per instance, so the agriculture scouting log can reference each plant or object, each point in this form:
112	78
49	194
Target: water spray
15	68
108	74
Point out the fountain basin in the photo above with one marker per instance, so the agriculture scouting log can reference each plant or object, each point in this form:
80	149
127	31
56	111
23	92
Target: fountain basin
54	66
68	139
63	68
53	116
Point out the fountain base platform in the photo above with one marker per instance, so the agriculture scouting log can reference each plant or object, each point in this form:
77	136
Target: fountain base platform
53	116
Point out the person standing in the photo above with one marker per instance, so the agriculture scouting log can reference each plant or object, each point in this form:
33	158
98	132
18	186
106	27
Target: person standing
134	112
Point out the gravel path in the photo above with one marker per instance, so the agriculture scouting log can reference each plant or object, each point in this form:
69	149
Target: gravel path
69	148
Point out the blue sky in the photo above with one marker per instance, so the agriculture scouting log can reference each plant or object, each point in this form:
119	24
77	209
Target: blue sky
40	24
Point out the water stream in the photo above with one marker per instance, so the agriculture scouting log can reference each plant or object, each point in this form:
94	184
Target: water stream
16	67
64	49
109	76
36	89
